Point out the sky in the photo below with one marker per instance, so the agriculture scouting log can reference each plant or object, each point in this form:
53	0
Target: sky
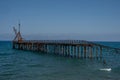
94	20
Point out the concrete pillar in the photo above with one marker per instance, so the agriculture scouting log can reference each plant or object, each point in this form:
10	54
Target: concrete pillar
90	49
84	51
100	52
68	50
78	52
96	52
72	51
75	51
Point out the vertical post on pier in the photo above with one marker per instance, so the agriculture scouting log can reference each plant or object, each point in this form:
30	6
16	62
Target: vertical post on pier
68	50
36	46
46	50
22	46
60	52
32	46
18	46
72	51
81	47
90	51
49	48
27	44
60	49
54	49
43	47
79	52
13	45
54	46
100	51
63	50
97	52
84	51
75	51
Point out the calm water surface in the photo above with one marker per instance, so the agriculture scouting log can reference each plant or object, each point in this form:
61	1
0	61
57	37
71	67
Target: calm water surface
25	65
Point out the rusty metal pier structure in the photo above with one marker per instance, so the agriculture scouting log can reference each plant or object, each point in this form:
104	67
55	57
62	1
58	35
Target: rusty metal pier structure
69	48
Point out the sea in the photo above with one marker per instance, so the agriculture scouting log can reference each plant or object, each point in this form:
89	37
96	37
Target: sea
27	65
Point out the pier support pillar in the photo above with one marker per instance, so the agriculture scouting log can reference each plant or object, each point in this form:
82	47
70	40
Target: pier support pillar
77	53
97	52
100	52
84	51
74	51
90	49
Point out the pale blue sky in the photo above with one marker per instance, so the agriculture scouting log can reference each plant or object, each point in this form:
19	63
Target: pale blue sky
61	19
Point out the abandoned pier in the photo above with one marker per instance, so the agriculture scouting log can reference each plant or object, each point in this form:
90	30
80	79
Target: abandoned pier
70	48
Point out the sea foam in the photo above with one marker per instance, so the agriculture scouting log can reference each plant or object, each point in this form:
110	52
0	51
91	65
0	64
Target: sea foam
106	69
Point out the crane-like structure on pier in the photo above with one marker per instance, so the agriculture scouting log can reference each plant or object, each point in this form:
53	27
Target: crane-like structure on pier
18	36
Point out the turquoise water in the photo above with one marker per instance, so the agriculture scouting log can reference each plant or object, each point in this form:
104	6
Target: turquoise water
25	65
